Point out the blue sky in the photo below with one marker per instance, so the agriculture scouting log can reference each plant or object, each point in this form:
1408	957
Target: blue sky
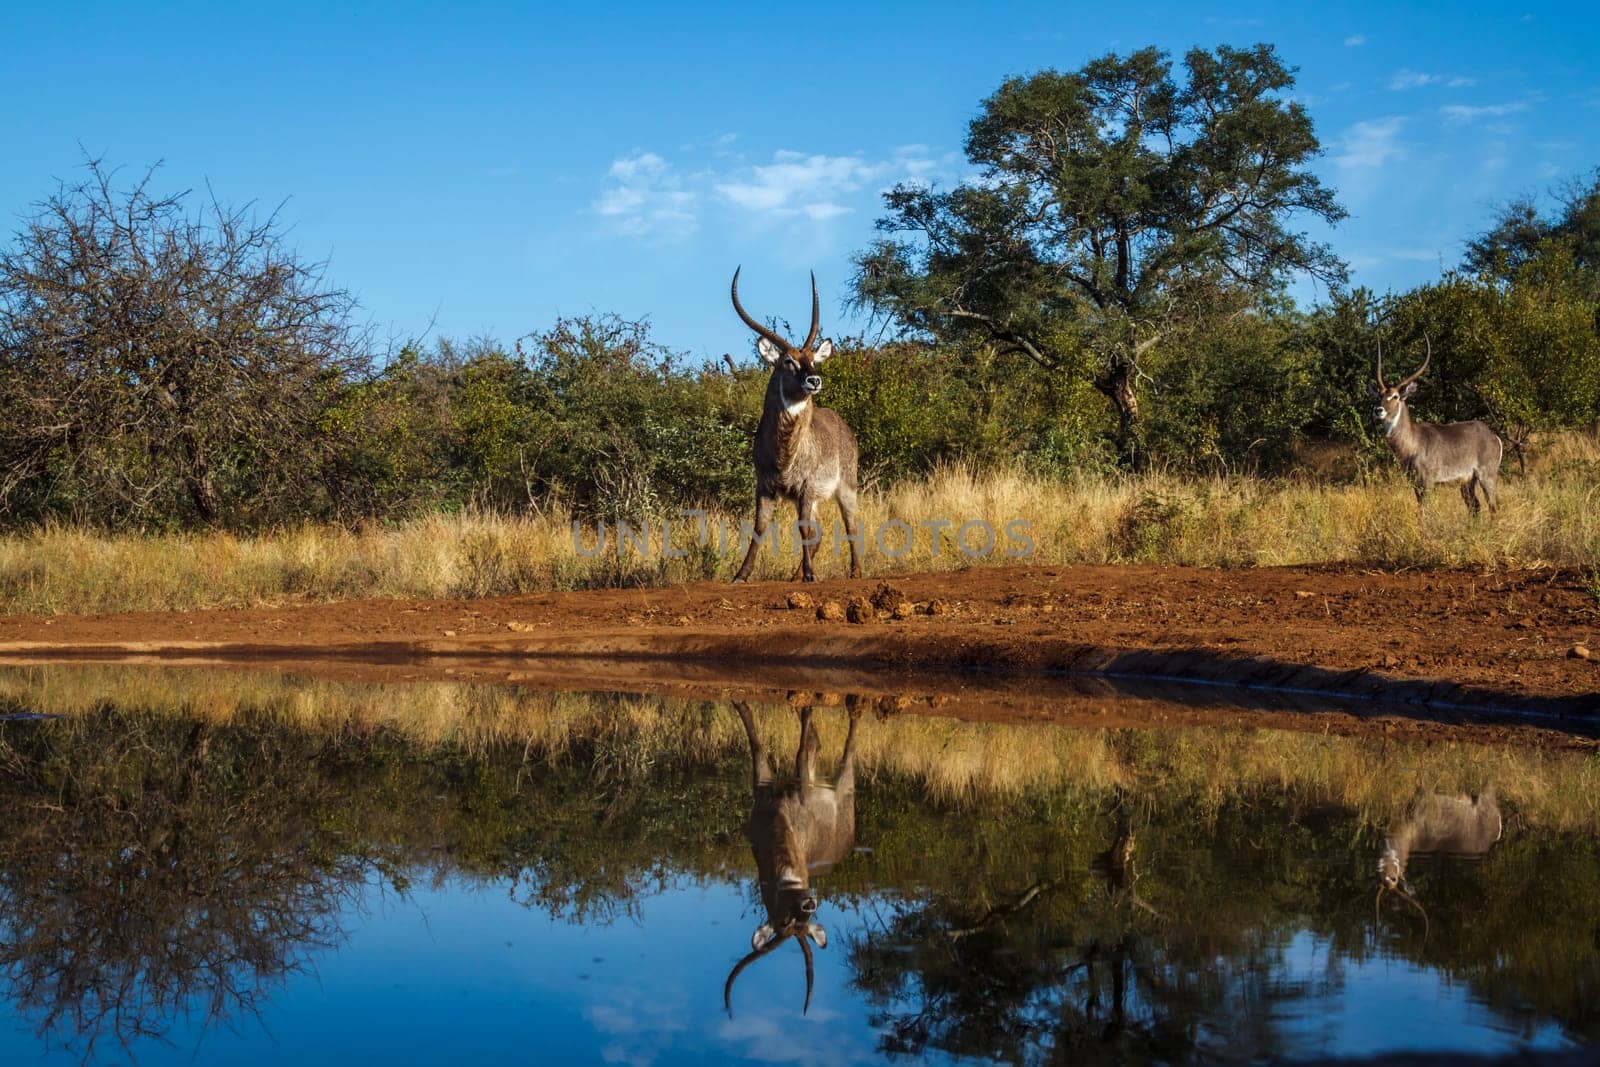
486	168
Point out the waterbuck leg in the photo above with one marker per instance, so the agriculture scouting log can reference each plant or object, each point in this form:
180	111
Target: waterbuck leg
1470	495
760	764
1490	484
810	530
800	517
805	758
764	507
844	783
847	511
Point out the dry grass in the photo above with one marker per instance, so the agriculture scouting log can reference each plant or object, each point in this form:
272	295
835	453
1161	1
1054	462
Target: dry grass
1550	516
952	761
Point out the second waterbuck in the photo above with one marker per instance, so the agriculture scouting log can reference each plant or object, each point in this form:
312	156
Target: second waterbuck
1460	825
1467	452
803	452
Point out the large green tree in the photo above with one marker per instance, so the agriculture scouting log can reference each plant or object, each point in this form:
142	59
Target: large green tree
1522	234
1111	204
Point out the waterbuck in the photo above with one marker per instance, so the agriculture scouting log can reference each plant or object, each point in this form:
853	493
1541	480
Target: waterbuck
1458	825
796	829
1467	452
803	452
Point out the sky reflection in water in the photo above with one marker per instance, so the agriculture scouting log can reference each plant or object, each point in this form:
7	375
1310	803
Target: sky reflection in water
459	971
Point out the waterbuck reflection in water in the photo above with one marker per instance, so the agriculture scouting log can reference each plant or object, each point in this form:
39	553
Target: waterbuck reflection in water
1461	825
797	829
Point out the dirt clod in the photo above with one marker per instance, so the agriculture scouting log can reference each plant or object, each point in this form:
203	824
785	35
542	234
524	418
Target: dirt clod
800	601
1580	652
830	611
1390	660
859	610
892	705
904	610
938	606
886	596
520	627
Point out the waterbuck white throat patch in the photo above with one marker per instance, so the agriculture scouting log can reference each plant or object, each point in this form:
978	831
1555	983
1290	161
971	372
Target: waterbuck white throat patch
791	408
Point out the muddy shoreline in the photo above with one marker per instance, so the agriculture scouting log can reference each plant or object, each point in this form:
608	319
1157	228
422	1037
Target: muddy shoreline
1339	646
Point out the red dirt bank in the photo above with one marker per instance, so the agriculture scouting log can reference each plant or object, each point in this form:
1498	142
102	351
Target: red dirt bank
1500	640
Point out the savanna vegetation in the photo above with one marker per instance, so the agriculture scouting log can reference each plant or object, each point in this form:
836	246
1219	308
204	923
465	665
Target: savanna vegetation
1096	330
993	847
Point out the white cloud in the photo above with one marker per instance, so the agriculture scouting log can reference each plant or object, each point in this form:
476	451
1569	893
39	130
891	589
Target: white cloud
795	183
639	1025
917	161
1472	112
1355	40
1374	258
1406	78
1371	144
826	210
644	195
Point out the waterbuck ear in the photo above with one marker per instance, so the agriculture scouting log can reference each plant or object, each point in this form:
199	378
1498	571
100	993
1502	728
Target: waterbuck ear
1409	390
763	934
824	350
817	934
1374	390
769	351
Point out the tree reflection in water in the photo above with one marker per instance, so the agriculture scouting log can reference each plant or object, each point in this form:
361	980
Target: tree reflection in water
1128	928
151	868
1074	961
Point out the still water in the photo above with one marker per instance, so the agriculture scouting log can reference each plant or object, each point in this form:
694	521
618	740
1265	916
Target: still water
208	867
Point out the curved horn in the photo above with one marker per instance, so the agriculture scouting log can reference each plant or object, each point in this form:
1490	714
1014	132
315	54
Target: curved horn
738	968
1380	365
805	947
770	335
1418	372
1377	915
816	314
1415	903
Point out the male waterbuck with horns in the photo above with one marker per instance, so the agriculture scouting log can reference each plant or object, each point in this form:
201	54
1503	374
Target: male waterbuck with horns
796	829
803	452
1466	452
1459	825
